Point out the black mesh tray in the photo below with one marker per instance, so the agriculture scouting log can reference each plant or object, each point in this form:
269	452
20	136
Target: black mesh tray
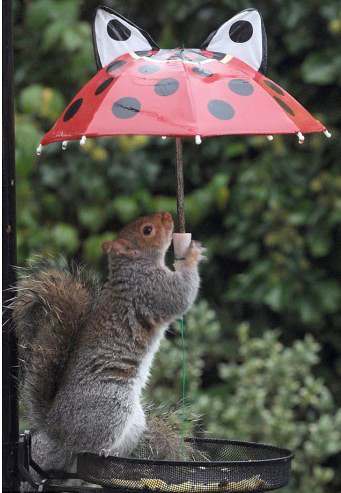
227	466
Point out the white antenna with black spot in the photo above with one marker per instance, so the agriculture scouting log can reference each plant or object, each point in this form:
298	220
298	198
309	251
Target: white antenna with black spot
243	37
114	35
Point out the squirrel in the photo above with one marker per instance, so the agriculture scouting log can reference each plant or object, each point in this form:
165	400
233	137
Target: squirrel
87	349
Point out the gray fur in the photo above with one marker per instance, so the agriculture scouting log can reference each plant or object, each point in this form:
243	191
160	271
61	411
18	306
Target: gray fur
95	404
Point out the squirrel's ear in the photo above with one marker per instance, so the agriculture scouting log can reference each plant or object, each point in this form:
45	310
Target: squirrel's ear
243	37
113	35
107	246
120	246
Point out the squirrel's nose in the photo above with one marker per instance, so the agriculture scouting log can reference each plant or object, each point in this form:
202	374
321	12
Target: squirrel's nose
166	217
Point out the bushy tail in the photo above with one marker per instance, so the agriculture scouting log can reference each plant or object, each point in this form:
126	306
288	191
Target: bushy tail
52	304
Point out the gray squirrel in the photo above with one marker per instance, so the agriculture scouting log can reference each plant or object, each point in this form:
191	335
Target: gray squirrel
87	349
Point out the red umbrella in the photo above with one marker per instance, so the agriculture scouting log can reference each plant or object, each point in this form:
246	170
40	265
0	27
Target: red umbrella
180	93
219	89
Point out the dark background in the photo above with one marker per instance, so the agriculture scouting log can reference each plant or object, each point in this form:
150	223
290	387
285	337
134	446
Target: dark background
268	213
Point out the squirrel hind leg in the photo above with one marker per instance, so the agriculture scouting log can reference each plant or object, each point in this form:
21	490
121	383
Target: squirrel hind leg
49	456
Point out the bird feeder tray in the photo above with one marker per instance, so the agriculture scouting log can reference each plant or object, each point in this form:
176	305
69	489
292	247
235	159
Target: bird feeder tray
226	466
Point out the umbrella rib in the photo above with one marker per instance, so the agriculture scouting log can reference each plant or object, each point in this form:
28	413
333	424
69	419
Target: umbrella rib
189	89
297	128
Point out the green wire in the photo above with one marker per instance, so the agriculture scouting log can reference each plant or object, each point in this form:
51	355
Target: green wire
183	412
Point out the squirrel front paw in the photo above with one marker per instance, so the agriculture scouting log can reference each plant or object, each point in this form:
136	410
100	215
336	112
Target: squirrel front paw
194	254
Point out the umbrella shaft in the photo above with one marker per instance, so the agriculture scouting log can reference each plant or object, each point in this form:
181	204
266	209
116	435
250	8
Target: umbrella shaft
180	186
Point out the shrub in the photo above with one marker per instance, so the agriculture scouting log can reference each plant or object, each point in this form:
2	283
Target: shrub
267	393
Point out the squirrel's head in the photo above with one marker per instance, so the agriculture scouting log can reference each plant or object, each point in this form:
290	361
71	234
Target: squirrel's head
147	236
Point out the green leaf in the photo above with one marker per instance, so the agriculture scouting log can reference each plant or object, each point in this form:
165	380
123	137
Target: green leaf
92	249
309	311
53	34
43	101
329	293
65	237
38	15
322	67
92	217
319	243
274	297
125	208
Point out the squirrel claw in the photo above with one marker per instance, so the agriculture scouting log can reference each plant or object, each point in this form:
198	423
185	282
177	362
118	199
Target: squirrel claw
104	452
195	252
196	245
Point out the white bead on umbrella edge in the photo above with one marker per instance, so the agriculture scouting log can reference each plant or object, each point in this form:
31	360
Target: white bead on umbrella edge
301	137
198	140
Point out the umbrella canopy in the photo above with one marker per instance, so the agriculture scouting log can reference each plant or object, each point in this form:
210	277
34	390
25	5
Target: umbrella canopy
183	93
219	89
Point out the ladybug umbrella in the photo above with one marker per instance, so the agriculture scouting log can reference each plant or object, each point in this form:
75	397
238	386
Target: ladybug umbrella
219	89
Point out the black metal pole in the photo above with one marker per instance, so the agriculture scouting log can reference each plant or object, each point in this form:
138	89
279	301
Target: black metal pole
10	425
180	200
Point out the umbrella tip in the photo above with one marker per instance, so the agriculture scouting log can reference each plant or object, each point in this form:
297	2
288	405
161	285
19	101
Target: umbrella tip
64	144
300	137
197	139
327	134
38	150
270	137
83	140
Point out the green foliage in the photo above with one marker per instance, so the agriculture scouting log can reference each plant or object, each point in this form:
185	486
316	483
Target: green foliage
266	392
268	213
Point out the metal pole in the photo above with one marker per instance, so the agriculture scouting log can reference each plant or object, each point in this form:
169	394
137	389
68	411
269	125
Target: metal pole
10	426
180	186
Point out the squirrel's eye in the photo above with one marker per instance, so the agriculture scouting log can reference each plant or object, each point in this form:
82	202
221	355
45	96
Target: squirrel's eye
147	230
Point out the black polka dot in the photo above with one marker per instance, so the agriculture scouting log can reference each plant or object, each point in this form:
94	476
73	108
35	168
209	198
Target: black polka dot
241	31
115	65
274	87
102	87
148	69
143	53
241	87
118	31
218	56
166	87
203	72
284	106
220	109
126	107
72	109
